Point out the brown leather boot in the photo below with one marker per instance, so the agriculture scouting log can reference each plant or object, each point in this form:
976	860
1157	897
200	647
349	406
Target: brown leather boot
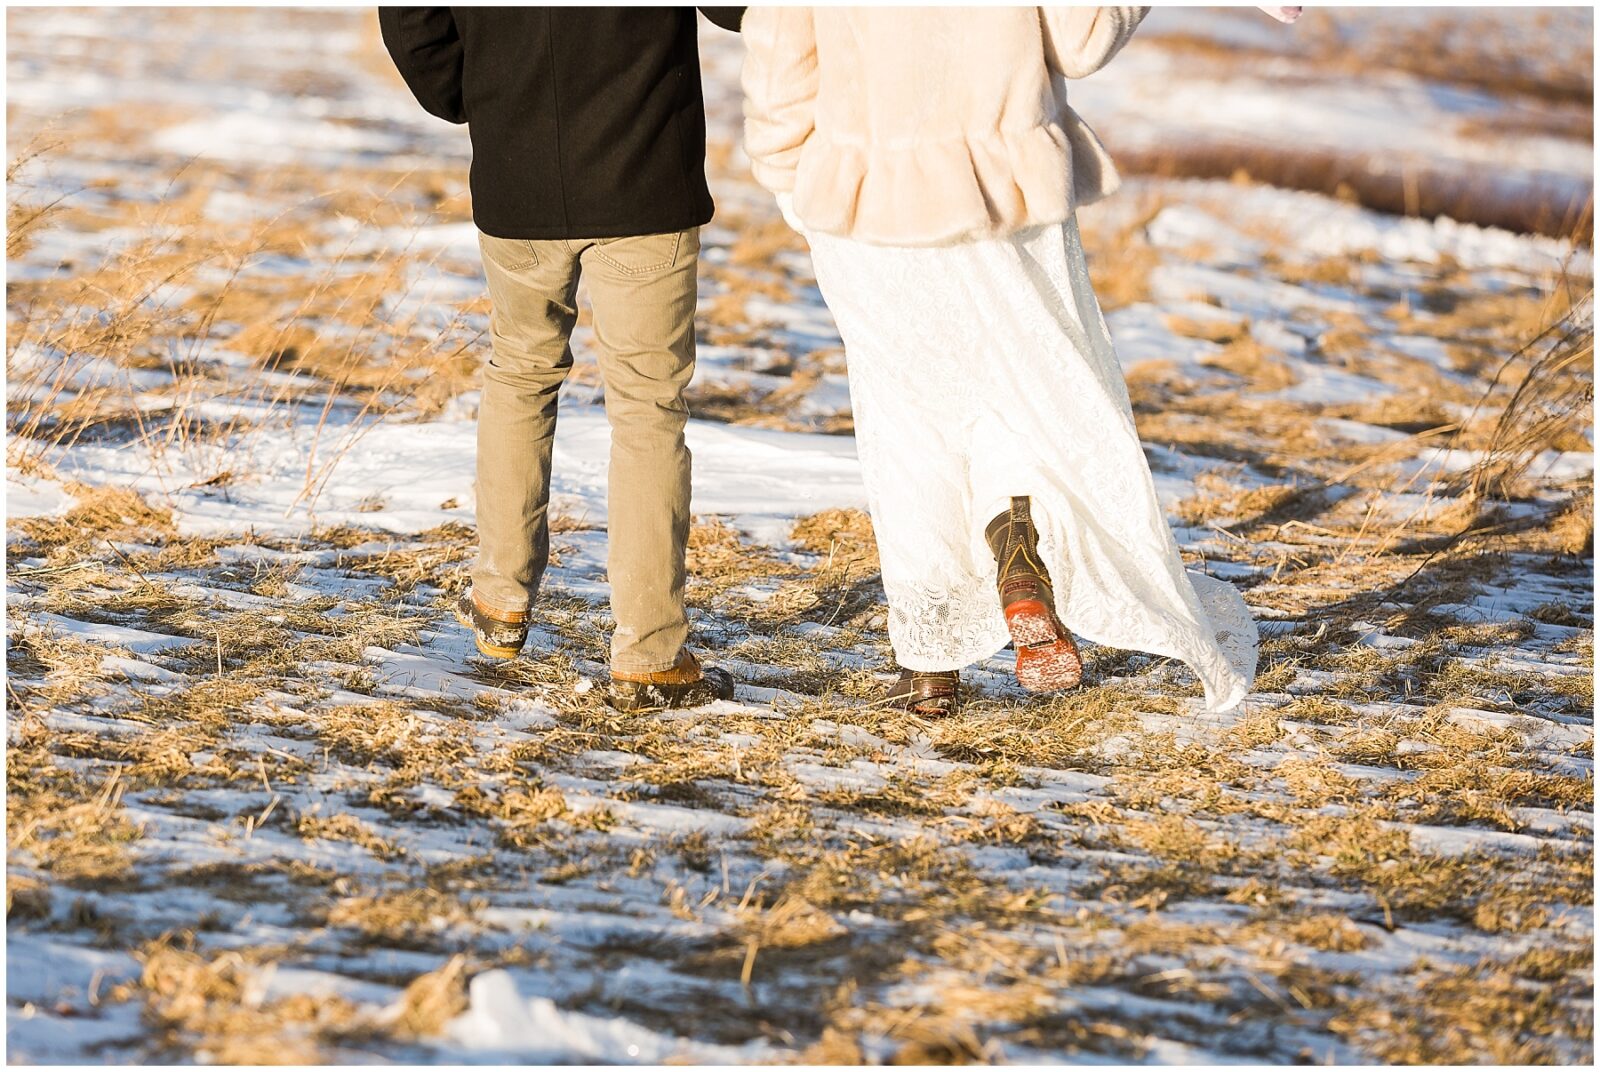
499	634
1047	659
932	694
685	684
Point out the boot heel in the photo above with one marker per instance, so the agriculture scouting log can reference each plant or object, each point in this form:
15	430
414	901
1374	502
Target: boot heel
1031	624
1047	659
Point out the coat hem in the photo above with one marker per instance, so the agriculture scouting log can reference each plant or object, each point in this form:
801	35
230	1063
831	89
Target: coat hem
624	229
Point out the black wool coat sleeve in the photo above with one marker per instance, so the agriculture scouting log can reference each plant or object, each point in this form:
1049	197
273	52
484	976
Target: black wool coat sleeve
426	49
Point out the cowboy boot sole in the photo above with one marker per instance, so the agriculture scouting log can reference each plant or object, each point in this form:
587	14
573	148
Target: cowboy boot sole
1047	659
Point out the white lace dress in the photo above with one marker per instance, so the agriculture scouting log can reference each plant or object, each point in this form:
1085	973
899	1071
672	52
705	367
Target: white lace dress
983	370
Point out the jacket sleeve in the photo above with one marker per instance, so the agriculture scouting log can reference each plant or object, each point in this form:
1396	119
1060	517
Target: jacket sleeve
425	46
726	17
780	91
1078	41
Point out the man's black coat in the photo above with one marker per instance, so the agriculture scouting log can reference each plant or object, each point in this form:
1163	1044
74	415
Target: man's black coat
585	122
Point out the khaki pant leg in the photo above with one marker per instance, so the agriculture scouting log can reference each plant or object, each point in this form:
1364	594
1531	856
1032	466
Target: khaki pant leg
533	288
643	291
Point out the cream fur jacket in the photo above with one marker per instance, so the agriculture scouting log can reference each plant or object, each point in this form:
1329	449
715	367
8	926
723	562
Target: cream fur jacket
924	126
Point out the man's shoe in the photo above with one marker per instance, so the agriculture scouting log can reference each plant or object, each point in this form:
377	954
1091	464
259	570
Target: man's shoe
499	634
686	684
931	694
1047	659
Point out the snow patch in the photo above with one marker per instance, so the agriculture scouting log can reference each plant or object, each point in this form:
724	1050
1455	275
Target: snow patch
535	1030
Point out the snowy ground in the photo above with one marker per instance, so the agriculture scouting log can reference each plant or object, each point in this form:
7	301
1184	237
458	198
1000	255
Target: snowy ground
266	804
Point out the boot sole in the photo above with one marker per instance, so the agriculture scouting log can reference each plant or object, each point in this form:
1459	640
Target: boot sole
632	698
1047	659
496	653
635	705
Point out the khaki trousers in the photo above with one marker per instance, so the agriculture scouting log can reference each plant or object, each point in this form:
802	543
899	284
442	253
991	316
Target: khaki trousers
643	293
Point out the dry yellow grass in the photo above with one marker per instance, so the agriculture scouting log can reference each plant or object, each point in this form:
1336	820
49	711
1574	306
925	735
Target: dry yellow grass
213	1007
432	1000
844	535
830	854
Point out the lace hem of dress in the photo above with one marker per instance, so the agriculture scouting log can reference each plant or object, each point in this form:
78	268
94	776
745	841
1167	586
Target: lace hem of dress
944	627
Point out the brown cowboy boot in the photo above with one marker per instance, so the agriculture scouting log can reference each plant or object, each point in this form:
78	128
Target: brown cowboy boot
1047	659
686	684
932	694
498	634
